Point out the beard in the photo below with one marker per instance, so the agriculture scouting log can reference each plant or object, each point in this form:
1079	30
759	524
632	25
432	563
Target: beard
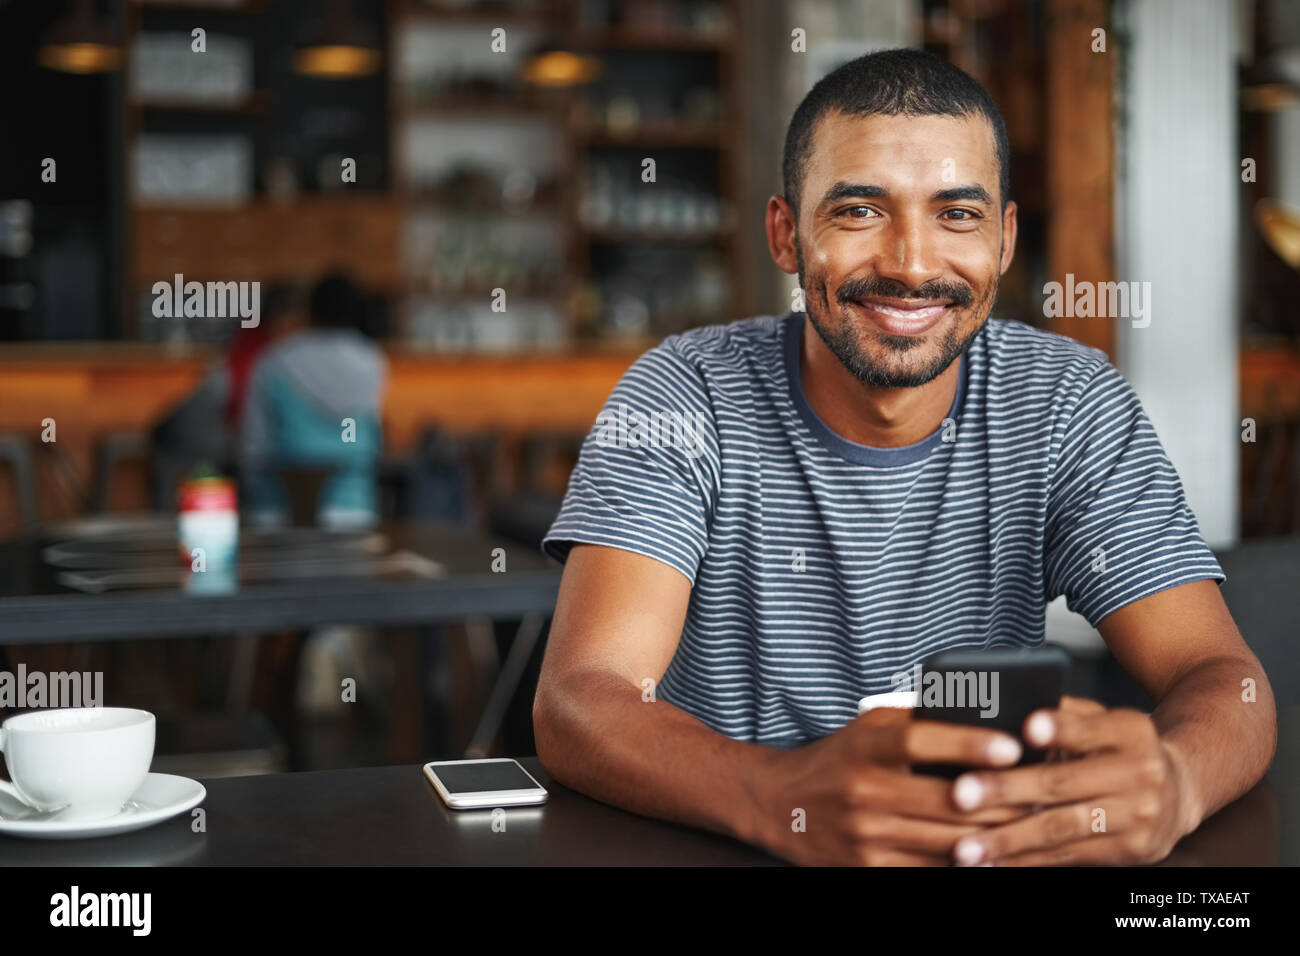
845	344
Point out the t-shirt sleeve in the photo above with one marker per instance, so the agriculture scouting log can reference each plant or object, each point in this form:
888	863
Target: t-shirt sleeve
1118	524
647	476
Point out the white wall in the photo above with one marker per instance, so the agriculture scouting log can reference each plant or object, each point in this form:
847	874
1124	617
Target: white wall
1177	218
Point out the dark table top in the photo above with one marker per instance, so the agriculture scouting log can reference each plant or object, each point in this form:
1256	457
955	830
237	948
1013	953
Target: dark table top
36	608
386	816
391	816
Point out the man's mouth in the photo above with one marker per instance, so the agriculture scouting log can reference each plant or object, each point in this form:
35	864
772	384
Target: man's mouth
904	316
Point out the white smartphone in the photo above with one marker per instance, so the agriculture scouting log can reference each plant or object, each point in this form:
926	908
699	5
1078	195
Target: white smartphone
476	784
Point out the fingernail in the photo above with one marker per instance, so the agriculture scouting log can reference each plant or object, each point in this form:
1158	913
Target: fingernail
1040	730
969	852
1004	750
968	792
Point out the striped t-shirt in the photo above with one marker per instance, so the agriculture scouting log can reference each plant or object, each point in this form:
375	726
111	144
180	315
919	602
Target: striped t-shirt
821	567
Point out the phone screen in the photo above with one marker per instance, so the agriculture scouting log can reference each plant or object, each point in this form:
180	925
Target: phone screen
996	690
476	777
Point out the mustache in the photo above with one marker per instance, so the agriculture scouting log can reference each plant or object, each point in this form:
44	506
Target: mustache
956	292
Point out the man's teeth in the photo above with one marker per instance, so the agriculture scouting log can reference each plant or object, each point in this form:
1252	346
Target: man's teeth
918	313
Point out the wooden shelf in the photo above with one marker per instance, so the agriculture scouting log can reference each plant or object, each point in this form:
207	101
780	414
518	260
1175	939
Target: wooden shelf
437	207
266	240
305	201
1270	381
613	236
178	6
254	105
474	107
545	294
480	13
670	41
669	135
579	141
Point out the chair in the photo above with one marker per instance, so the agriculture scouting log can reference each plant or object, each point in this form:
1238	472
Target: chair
526	516
15	451
218	745
433	482
113	449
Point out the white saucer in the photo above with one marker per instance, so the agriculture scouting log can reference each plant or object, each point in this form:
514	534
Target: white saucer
160	797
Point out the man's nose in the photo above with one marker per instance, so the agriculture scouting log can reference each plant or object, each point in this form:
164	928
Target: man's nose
907	254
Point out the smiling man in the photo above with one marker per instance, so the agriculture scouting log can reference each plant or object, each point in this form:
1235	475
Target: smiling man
891	474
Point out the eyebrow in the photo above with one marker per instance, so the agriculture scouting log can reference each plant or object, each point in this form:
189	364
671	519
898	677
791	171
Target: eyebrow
843	190
972	193
846	190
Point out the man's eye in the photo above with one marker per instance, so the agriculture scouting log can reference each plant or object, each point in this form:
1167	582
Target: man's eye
852	211
961	215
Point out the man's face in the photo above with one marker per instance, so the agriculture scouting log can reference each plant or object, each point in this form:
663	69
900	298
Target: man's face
900	242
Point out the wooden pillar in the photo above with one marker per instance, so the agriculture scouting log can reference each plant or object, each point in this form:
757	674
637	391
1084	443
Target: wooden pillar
1081	157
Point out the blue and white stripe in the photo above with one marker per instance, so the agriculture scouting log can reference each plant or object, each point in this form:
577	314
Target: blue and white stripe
1055	484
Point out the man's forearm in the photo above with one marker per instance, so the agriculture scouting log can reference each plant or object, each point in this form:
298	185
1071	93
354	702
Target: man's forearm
1222	743
596	734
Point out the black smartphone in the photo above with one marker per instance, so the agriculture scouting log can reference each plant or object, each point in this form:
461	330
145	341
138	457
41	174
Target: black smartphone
997	689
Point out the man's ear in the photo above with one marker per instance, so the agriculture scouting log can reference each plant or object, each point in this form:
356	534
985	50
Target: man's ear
1008	238
781	228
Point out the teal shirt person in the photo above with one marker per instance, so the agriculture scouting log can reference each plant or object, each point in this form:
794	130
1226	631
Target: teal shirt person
314	402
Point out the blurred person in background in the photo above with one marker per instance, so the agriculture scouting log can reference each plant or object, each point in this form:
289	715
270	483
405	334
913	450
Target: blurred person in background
284	314
312	402
203	427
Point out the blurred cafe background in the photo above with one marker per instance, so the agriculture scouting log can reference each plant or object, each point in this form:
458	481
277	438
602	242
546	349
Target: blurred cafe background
444	203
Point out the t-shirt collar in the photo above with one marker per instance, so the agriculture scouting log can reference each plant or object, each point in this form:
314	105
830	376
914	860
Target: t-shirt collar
837	444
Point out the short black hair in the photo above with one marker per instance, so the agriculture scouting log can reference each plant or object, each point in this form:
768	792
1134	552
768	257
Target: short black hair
890	83
337	303
282	298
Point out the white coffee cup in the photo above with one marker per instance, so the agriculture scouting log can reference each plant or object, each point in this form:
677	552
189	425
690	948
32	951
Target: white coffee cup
897	698
83	761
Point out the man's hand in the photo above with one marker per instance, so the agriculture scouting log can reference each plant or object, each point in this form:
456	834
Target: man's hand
1122	798
860	803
